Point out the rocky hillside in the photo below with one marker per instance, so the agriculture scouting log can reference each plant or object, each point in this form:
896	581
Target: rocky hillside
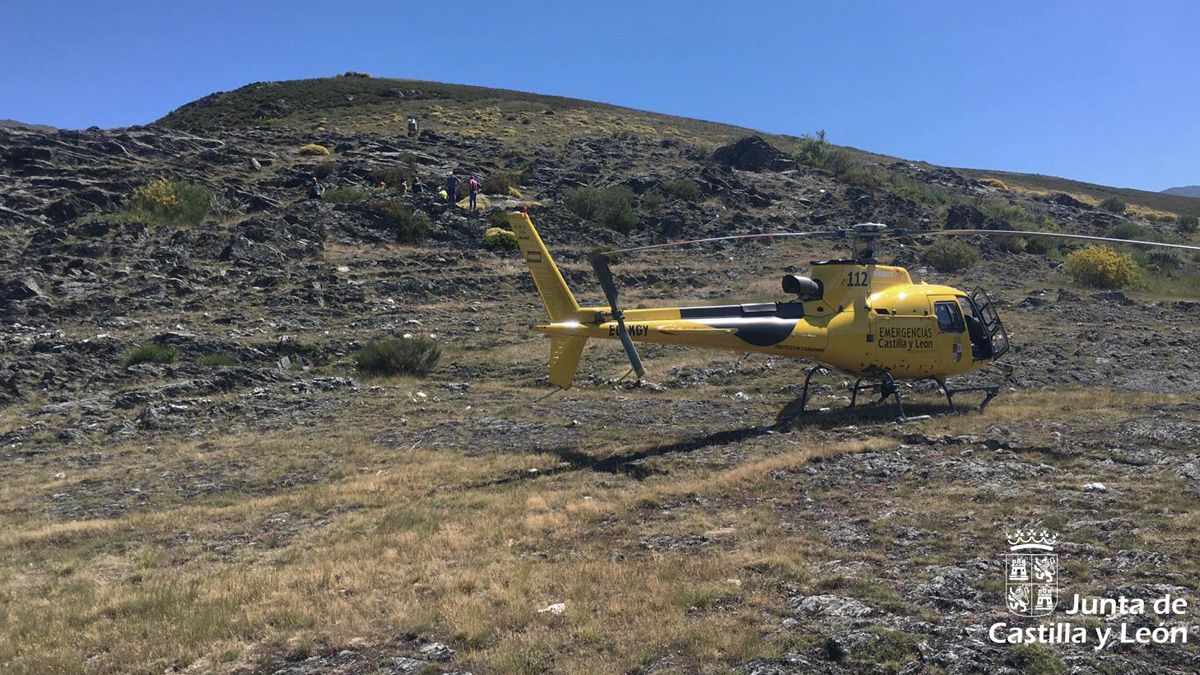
247	500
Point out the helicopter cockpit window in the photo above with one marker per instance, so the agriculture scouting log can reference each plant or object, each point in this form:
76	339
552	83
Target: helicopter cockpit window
949	317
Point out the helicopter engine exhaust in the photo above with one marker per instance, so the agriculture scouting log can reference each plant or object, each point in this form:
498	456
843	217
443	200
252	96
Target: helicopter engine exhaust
802	287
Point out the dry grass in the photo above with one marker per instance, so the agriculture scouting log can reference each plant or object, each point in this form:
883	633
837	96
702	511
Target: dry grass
410	539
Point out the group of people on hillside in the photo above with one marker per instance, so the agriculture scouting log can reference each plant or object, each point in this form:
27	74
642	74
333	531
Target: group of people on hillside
317	191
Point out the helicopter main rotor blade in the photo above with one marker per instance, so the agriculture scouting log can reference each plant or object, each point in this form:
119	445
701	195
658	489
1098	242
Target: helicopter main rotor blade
1060	235
760	235
604	275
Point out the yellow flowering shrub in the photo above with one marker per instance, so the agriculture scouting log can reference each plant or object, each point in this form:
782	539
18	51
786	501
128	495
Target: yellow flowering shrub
314	149
1101	267
499	239
157	197
168	202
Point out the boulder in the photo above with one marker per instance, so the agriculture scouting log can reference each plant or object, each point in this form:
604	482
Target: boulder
754	154
19	289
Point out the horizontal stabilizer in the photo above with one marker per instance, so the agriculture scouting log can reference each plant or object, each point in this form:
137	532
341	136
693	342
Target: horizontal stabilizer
564	359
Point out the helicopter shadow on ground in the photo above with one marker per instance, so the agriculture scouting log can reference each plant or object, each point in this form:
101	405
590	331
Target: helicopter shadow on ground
789	419
794	418
628	463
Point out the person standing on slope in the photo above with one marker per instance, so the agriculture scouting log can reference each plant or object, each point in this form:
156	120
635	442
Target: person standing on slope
474	190
451	189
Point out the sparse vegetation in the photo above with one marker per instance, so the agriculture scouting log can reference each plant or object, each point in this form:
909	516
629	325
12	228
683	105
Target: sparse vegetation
501	183
685	189
325	169
497	218
653	199
409	225
393	177
994	182
1035	659
152	352
345	195
1188	224
1127	231
499	239
167	202
1164	260
1113	204
611	206
399	356
811	150
216	360
1040	245
949	256
1101	267
314	149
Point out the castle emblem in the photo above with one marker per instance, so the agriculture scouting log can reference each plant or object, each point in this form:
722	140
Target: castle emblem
1031	573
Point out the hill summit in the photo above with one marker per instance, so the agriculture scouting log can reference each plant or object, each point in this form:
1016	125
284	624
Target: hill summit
1184	191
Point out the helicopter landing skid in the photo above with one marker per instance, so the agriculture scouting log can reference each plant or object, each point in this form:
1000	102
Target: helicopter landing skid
886	386
990	392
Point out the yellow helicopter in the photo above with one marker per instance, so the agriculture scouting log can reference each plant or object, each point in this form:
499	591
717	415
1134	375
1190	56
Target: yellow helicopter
854	316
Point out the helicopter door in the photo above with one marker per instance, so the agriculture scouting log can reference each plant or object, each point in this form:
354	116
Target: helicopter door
994	342
951	327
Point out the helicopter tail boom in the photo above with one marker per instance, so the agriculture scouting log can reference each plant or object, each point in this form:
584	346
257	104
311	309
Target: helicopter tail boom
560	302
565	349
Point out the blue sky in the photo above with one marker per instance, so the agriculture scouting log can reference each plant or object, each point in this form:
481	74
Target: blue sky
1100	91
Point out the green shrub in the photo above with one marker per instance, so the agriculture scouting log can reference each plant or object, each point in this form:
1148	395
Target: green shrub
1011	244
1188	224
611	206
1127	231
1164	259
653	199
915	190
1113	205
1035	659
345	195
409	225
499	239
314	149
399	356
949	256
1101	267
838	162
152	352
166	202
393	177
583	202
216	360
684	189
324	170
498	218
1040	245
501	183
811	150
